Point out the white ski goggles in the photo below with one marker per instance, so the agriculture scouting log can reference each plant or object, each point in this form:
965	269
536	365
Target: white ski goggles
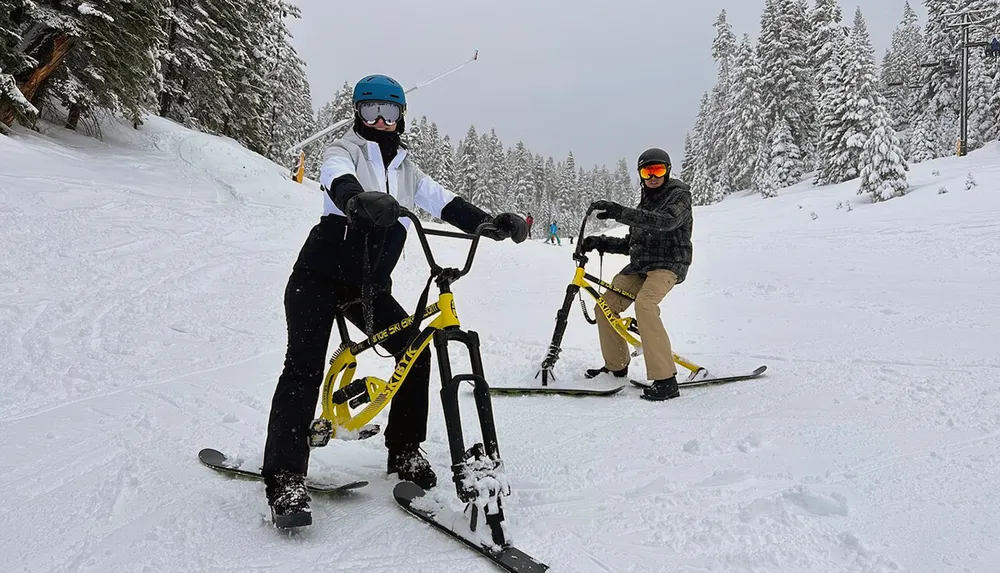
370	111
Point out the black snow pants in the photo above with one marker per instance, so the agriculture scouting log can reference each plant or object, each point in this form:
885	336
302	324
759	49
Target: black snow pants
311	300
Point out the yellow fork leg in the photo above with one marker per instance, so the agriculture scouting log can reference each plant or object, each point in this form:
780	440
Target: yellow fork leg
694	368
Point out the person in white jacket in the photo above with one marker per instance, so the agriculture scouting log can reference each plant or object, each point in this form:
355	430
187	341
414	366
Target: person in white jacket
349	256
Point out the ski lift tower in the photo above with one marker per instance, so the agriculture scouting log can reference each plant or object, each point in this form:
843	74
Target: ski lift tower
968	21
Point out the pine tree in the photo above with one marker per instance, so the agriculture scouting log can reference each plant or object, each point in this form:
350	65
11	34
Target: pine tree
468	170
705	189
786	157
432	157
883	175
13	62
941	82
521	190
567	189
825	20
900	69
924	138
446	164
982	127
333	111
687	163
717	157
787	87
744	131
847	120
624	191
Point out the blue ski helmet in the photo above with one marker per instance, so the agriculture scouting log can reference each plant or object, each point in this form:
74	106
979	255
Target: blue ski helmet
378	87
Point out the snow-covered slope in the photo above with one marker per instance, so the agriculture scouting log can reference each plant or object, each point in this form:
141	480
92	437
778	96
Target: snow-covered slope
141	303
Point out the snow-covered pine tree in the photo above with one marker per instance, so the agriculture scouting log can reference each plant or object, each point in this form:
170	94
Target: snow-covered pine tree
446	164
48	35
521	191
414	139
829	57
337	109
492	162
110	64
849	122
940	90
924	137
984	75
12	63
624	190
825	19
567	190
900	70
787	87
468	170
705	189
687	162
431	142
883	171
537	182
745	132
717	156
982	126
786	157
290	117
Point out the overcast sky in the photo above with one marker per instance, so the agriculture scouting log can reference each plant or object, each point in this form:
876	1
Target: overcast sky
604	79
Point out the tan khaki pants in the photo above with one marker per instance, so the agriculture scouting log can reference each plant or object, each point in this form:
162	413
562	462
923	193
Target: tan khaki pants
649	292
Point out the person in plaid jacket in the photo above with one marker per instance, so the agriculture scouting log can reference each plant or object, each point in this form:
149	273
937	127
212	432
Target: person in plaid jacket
659	248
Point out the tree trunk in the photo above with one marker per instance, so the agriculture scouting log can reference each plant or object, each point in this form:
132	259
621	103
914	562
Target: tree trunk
60	47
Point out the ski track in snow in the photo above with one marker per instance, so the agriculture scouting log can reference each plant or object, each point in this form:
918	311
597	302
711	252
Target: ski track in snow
141	305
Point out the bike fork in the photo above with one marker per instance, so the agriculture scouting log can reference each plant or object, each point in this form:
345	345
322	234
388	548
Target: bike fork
482	460
555	347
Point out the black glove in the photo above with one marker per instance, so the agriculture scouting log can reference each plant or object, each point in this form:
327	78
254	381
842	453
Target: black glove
596	243
509	225
372	209
608	209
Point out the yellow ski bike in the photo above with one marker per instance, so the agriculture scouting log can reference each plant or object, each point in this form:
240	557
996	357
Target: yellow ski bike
349	404
626	326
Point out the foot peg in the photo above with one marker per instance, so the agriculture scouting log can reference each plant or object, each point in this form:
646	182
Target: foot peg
320	432
355	394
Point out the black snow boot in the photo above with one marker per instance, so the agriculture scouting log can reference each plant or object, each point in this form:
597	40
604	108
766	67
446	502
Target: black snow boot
595	372
289	500
662	390
407	461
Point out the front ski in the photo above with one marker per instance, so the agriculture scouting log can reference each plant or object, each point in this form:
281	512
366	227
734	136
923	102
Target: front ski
219	462
508	558
555	390
708	381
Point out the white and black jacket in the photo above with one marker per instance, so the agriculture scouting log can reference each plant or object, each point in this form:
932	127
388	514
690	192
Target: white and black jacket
352	165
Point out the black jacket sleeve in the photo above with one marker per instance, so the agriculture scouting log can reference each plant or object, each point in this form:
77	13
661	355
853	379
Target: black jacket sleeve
342	189
464	215
669	217
616	245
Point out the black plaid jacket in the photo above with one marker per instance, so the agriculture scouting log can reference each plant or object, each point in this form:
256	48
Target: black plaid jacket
659	234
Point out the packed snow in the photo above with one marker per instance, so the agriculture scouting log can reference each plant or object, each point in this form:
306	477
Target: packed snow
141	303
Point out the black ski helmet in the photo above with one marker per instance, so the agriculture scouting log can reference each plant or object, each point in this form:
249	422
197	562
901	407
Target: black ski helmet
653	155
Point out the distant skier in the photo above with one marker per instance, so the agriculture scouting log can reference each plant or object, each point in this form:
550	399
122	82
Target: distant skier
530	221
554	234
348	258
660	250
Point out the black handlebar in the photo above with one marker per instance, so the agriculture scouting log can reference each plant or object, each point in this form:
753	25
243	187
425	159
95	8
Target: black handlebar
578	255
422	235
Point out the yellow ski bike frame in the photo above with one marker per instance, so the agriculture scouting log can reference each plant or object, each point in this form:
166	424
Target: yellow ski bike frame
626	326
348	404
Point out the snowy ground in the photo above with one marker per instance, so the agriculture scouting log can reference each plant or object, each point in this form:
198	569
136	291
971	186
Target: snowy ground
141	319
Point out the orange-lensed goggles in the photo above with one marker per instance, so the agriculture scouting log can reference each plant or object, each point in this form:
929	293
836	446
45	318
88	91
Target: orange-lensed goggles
654	170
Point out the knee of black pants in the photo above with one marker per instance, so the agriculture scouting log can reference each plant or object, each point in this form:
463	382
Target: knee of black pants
420	370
